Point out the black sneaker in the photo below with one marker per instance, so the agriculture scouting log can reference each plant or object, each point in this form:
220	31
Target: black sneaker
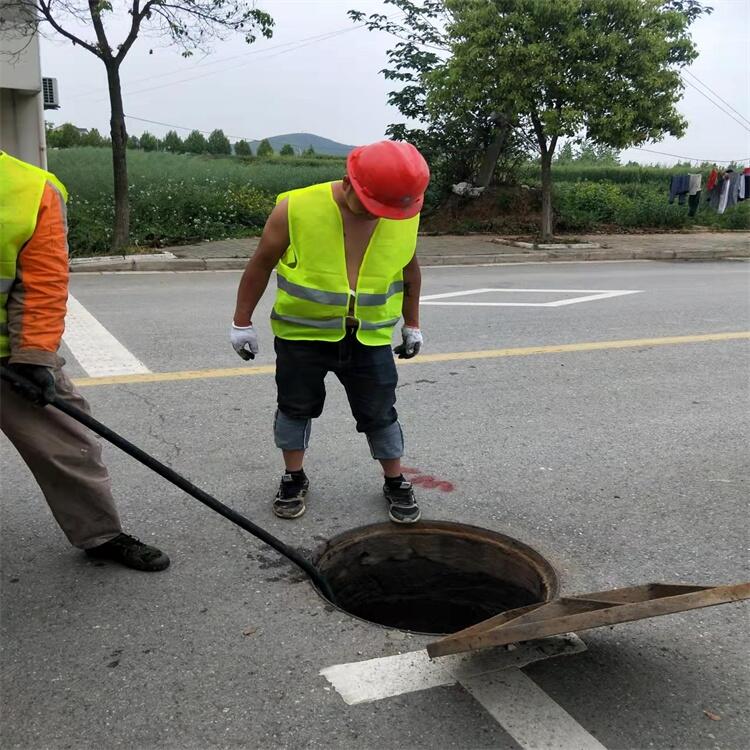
290	499
131	552
402	505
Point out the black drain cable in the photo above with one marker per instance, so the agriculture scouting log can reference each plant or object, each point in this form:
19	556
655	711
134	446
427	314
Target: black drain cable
171	475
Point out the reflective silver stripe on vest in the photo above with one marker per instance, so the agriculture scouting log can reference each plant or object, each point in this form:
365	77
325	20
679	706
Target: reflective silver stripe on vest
5	285
311	295
310	323
366	325
372	300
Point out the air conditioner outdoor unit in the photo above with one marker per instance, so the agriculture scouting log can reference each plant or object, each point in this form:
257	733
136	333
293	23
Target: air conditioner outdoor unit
49	91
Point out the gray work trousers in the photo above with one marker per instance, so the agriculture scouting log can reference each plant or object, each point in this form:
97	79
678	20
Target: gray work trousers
65	459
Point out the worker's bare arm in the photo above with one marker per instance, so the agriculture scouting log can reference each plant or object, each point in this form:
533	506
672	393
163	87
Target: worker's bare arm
273	244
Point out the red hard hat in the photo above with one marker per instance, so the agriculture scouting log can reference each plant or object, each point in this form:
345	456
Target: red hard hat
389	178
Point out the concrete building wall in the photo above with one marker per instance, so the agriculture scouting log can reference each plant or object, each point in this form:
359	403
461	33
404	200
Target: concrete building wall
21	100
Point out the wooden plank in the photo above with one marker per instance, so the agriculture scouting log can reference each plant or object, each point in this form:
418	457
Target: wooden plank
513	632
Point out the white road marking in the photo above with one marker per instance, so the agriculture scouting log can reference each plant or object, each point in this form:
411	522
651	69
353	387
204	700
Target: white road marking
527	713
98	352
589	295
492	676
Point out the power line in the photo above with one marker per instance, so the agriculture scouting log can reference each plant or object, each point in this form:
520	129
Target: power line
716	104
705	85
687	158
184	127
221	60
330	35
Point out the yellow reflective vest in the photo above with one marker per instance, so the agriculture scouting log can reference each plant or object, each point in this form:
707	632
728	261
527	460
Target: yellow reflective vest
313	296
21	189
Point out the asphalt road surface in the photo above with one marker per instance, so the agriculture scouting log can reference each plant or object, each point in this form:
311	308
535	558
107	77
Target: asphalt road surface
623	463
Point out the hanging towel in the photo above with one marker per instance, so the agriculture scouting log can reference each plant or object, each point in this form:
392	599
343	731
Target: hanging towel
694	183
724	194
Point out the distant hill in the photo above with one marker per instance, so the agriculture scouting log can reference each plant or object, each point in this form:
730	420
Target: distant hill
302	141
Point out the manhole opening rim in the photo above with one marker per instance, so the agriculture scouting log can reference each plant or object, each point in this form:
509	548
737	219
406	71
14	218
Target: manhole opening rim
536	560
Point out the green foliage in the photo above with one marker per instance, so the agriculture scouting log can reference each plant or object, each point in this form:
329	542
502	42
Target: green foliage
218	143
287	150
609	70
265	149
172	142
195	143
177	199
149	142
93	138
309	152
455	134
66	136
134	142
242	148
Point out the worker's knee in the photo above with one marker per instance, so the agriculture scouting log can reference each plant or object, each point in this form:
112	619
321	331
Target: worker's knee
387	442
291	433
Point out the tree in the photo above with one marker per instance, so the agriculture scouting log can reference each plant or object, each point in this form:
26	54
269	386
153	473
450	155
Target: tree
134	142
190	24
265	148
565	154
93	138
462	141
607	69
149	142
242	148
309	151
218	143
172	142
287	150
66	136
195	143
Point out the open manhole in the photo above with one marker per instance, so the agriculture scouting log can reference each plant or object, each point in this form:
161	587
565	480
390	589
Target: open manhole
434	577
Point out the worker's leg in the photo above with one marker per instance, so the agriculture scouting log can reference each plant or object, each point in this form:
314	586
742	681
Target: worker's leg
301	367
370	380
65	459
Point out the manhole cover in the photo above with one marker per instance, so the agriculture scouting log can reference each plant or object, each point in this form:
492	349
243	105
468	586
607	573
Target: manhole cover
434	577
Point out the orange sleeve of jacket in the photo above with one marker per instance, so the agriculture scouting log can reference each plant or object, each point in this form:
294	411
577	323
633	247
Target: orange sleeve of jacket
38	300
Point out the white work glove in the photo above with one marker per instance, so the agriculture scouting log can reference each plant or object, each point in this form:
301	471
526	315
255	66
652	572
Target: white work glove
412	343
244	341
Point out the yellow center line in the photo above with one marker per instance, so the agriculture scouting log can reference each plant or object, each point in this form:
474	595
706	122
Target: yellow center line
423	359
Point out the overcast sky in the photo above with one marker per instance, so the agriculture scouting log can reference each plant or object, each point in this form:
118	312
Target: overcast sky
332	87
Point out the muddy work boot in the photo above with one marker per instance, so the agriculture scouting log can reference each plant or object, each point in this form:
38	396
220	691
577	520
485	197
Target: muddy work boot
290	499
402	505
131	552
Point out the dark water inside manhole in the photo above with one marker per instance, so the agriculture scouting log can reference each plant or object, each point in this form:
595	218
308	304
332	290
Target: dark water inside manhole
433	577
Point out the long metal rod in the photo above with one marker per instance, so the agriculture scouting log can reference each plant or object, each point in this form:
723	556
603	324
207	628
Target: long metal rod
172	476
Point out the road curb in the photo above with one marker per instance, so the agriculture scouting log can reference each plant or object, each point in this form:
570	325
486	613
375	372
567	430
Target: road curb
151	264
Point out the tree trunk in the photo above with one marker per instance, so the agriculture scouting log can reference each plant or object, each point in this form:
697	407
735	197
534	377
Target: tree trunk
119	135
491	155
547	195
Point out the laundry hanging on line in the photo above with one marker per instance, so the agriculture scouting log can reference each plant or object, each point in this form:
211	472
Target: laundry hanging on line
686	187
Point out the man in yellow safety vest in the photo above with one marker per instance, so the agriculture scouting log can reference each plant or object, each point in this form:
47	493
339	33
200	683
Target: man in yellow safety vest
347	271
64	457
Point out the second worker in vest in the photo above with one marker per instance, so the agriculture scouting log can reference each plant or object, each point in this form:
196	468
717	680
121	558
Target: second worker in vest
347	272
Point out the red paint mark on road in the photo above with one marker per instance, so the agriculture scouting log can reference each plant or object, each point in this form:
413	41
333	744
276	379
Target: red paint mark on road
427	481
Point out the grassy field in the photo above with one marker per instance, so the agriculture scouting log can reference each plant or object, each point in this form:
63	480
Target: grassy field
178	199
